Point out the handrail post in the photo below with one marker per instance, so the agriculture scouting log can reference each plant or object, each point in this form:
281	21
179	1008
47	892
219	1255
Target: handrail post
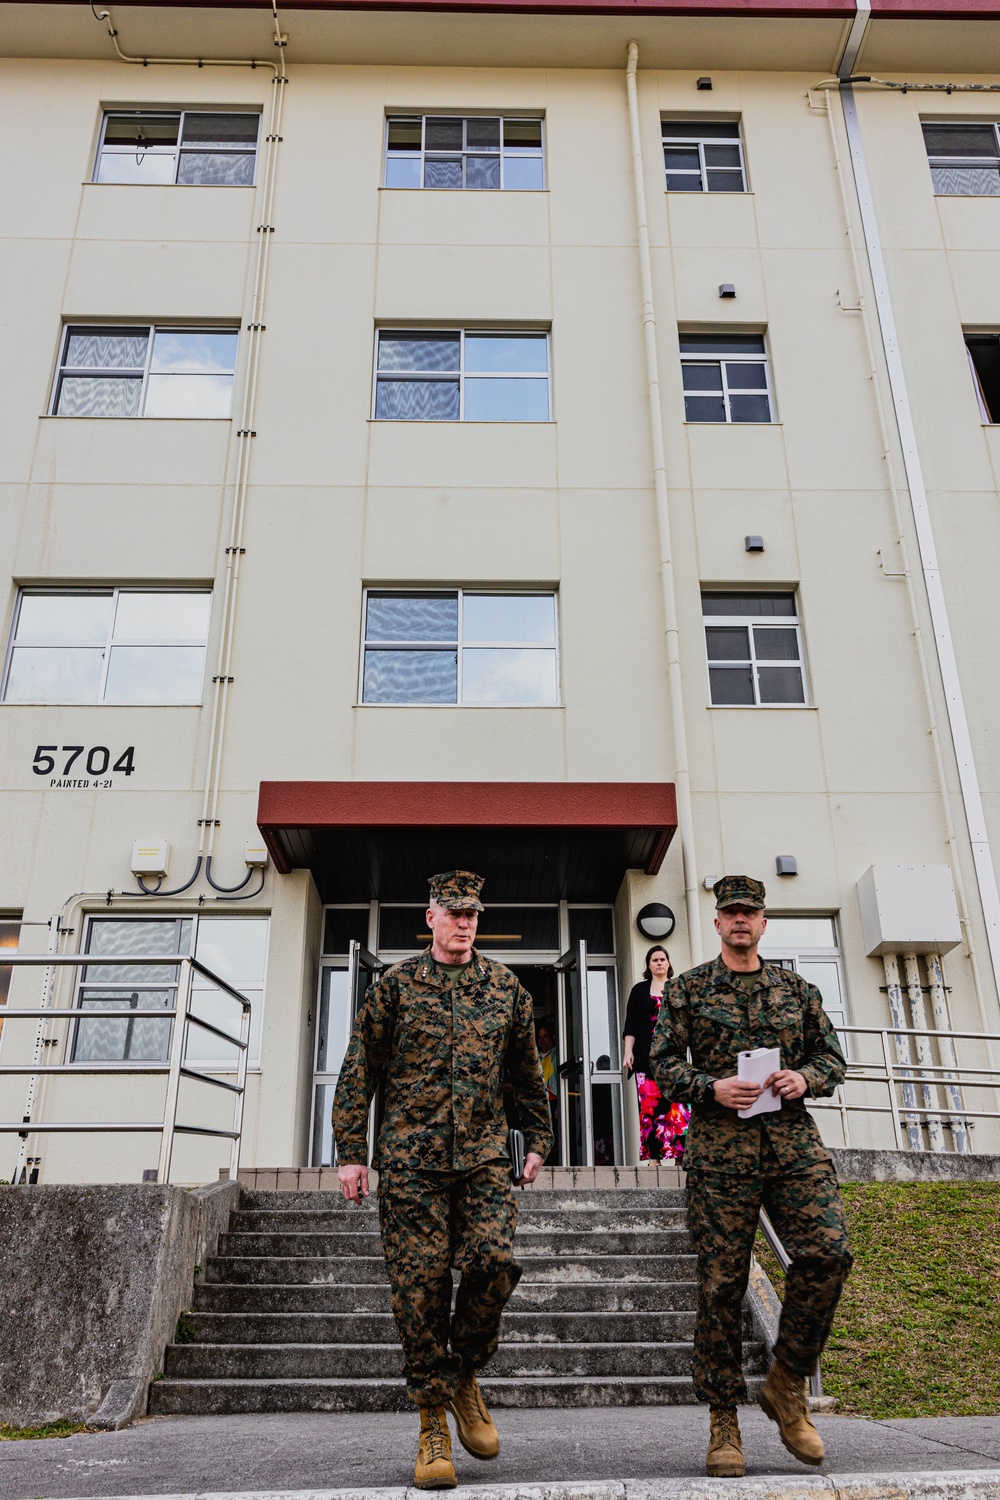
241	1080
177	1049
891	1081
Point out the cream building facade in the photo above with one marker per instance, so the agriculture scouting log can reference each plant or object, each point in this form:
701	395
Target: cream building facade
426	445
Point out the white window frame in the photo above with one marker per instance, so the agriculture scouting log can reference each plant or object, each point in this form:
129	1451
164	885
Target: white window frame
721	360
110	640
751	623
179	115
465	151
701	142
790	957
97	371
940	160
520	593
434	375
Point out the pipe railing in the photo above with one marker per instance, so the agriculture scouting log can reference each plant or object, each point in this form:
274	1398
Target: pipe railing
168	1127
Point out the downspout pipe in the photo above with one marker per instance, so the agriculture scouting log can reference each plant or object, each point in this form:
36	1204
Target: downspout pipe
682	775
958	723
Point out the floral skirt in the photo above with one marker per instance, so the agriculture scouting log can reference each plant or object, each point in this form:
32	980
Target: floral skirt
662	1126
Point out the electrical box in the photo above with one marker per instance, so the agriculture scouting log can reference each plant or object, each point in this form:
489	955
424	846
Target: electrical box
908	909
150	857
256	854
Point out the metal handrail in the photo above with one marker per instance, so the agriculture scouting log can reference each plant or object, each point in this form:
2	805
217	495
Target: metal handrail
174	1070
784	1260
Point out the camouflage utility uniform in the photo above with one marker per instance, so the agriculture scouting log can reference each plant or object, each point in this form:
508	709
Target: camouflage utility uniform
734	1166
445	1195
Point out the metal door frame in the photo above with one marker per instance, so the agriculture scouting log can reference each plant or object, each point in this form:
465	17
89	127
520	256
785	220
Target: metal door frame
575	959
358	960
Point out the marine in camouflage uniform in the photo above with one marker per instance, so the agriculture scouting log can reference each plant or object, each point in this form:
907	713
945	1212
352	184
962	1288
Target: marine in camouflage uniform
445	1199
773	1160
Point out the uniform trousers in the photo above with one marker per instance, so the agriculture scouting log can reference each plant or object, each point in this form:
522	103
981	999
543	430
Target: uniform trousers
806	1210
432	1223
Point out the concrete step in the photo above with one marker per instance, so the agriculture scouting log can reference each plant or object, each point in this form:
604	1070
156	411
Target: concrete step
554	1268
345	1297
583	1200
380	1327
530	1216
529	1242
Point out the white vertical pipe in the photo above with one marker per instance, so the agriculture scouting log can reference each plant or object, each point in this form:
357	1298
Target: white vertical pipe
918	1017
946	1047
898	1013
685	812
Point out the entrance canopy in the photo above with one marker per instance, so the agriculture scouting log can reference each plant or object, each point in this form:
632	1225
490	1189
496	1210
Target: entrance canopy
532	840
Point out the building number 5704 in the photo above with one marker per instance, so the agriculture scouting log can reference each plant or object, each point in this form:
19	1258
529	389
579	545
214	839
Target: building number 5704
97	762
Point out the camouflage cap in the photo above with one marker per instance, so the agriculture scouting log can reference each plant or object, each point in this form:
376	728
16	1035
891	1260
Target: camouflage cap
738	890
457	890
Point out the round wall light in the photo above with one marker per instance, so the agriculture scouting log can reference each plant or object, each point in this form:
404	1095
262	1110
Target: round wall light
656	920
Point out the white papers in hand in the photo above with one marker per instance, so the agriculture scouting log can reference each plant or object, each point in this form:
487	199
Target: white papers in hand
755	1067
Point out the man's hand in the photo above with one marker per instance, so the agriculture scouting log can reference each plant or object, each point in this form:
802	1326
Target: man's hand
787	1084
533	1164
735	1093
351	1180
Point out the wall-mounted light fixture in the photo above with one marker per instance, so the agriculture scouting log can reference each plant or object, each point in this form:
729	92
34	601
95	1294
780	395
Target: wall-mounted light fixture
655	921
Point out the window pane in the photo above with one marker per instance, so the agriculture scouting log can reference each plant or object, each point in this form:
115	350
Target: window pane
136	936
748	604
702	130
162	616
481	132
189	396
54	675
418	351
402	172
482	172
704	409
789	934
508	676
65	617
781	644
417	401
99	396
155	674
684	184
731	685
980	182
781	685
825	975
722	343
746	377
442	134
749	409
443	172
524	134
412	617
223	169
593	925
489	352
602	1011
220	130
702	377
723	156
725	182
411	676
727	643
142	166
141	130
141	1040
681	158
959	139
508	617
194	353
333	1032
523	174
106	349
404	134
342	924
500	400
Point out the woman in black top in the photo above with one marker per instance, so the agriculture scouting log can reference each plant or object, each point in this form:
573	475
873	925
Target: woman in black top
662	1125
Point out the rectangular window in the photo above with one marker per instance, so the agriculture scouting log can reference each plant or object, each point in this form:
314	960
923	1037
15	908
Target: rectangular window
725	377
183	146
703	156
460	647
983	350
10	931
964	157
809	946
754	649
454	152
108	646
461	376
234	948
145	372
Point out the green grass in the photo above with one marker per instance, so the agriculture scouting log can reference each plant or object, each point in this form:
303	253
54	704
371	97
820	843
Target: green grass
51	1430
917	1333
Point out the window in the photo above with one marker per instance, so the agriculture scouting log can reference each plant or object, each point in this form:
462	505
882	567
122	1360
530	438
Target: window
195	149
754	649
703	156
460	647
234	948
725	377
108	646
145	372
964	157
10	930
983	350
809	946
462	377
484	152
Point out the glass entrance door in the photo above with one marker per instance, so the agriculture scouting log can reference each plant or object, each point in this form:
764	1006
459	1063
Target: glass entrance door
341	991
590	1074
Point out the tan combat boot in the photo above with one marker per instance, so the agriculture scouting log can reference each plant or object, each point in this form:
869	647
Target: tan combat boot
725	1448
477	1431
783	1399
435	1470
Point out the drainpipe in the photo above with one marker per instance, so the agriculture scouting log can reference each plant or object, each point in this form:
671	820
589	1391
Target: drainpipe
897	1011
915	995
685	815
946	1048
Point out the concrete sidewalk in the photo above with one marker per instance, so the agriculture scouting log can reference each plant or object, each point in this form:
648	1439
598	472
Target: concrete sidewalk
312	1451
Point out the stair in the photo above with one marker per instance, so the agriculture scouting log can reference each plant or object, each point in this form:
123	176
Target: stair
293	1313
